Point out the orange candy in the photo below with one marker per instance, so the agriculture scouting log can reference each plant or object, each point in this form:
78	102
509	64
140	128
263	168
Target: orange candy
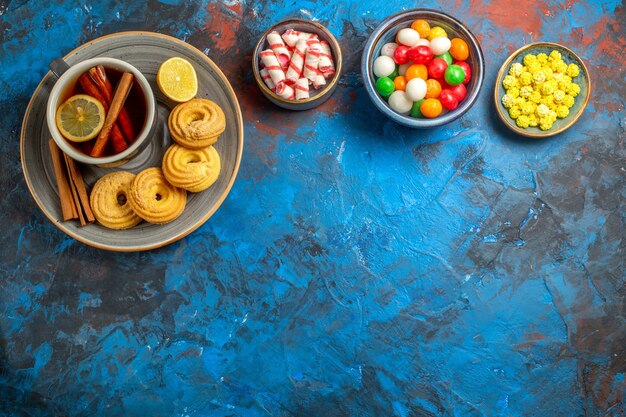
400	82
422	27
431	107
433	88
416	71
459	49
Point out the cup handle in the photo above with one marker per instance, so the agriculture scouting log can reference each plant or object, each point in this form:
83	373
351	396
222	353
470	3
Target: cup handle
58	66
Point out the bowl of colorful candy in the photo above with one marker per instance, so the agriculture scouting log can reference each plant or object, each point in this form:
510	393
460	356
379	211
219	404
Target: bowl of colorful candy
422	68
541	90
297	63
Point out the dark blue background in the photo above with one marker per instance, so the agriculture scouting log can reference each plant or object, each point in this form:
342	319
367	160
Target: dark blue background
357	268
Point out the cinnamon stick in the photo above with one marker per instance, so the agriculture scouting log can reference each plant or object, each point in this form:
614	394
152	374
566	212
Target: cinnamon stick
121	92
117	138
99	77
79	192
68	208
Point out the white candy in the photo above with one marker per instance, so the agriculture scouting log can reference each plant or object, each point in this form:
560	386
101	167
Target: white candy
399	102
416	89
383	66
423	41
440	45
402	69
388	49
408	37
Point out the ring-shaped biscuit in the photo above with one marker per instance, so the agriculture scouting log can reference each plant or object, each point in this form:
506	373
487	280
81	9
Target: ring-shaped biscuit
109	201
194	170
196	123
154	199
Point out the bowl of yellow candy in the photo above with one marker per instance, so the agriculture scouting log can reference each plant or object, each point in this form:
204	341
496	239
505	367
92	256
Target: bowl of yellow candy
541	90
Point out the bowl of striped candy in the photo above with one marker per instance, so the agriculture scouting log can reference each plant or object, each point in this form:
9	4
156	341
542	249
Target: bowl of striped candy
297	64
422	68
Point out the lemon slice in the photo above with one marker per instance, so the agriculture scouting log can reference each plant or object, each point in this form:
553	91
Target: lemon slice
177	79
80	118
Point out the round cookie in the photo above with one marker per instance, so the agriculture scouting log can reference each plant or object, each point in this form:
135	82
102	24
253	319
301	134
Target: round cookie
196	123
192	169
109	201
154	199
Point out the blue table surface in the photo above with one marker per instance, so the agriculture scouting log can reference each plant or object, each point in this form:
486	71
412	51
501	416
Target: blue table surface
357	268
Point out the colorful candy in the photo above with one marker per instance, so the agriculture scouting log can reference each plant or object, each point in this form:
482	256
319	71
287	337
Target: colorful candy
399	102
454	75
383	66
296	60
408	37
440	45
416	89
424	72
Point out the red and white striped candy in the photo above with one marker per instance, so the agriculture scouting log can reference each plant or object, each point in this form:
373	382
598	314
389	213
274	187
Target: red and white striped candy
312	59
272	66
291	36
285	91
297	63
326	64
319	81
265	75
302	89
278	46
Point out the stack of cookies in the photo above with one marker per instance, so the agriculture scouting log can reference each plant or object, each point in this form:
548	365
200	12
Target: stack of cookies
121	199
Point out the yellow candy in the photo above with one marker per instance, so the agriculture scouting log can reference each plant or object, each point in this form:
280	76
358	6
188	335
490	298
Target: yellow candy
529	108
559	66
523	121
507	100
529	58
437	32
510	81
533	67
516	69
542	111
539	77
514	112
540	91
547	89
559	96
525	91
568	101
555	55
573	70
573	90
525	78
562	112
535	97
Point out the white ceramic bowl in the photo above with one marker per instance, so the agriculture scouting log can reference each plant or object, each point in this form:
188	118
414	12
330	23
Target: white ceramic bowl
69	79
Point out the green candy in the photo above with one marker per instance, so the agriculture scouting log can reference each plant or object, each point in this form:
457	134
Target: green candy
454	75
394	74
446	57
415	110
385	86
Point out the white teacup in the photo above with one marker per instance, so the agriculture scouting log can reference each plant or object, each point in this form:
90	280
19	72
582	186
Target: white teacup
61	92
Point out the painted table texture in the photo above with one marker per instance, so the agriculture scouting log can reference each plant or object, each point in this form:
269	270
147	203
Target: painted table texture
357	268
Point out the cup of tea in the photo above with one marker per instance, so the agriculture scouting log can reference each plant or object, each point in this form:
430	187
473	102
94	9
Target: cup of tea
85	96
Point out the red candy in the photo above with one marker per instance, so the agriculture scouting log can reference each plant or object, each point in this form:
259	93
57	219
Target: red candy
448	99
400	55
420	54
466	69
437	67
459	91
